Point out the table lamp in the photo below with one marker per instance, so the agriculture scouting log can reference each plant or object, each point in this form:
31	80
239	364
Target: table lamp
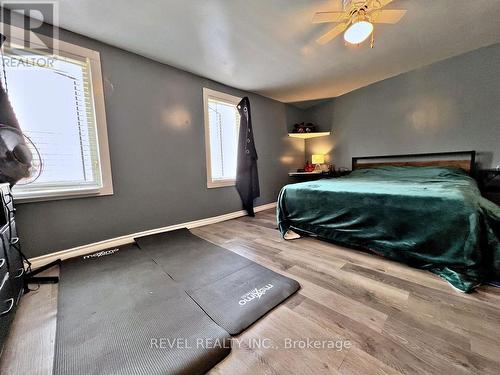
318	160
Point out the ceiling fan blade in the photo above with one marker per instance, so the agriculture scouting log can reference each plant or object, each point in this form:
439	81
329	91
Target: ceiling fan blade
388	16
325	38
323	17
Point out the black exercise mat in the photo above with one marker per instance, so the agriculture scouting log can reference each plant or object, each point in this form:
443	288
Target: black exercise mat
190	260
234	291
119	313
241	298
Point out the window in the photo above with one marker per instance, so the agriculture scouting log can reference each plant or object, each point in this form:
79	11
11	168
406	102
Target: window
222	122
58	101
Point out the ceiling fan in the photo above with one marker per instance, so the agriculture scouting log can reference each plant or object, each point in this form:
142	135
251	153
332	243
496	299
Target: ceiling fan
356	20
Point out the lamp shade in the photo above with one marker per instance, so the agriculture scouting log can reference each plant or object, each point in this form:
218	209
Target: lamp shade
318	159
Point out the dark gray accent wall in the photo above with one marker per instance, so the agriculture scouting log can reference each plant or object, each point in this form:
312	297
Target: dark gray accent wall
156	139
447	106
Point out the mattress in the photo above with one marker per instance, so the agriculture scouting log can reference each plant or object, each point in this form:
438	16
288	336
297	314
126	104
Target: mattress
427	217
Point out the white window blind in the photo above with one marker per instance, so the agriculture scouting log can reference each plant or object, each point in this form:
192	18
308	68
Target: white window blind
53	101
222	126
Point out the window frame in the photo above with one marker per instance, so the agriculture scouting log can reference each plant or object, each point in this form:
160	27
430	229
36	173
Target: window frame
209	93
93	58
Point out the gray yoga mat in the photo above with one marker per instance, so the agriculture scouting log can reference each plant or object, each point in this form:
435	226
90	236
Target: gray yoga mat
119	313
234	291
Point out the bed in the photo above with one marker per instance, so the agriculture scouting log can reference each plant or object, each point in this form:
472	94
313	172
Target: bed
427	213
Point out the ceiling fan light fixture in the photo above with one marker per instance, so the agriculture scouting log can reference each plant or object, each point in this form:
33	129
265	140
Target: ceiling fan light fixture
358	32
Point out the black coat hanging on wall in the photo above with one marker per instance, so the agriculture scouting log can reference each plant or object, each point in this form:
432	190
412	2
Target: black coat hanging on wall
247	177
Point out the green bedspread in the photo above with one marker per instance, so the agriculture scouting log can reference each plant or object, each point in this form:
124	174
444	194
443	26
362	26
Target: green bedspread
430	218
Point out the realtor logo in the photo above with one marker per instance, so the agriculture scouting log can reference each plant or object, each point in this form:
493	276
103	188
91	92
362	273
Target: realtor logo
254	294
22	23
101	254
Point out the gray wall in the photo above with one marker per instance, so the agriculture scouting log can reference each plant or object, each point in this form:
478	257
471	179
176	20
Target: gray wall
156	139
447	106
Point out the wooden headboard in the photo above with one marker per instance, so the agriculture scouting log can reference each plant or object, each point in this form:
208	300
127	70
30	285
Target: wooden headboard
465	160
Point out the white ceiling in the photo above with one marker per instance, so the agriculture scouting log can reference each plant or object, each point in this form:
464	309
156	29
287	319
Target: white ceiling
267	46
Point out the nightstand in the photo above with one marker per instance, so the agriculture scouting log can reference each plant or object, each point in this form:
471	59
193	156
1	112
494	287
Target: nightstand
311	176
488	181
307	176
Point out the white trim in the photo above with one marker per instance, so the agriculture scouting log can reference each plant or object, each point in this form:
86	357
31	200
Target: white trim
101	124
220	183
53	195
129	238
222	96
208	93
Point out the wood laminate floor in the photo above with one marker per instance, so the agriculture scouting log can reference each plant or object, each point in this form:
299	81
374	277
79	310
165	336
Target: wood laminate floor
385	317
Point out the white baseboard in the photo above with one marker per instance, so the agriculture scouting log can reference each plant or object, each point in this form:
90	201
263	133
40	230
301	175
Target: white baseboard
129	238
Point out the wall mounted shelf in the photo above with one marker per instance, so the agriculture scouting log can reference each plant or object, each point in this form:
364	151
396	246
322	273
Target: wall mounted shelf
308	135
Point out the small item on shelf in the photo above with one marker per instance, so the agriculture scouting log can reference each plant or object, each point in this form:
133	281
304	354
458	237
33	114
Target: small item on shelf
327	168
304	128
308	167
